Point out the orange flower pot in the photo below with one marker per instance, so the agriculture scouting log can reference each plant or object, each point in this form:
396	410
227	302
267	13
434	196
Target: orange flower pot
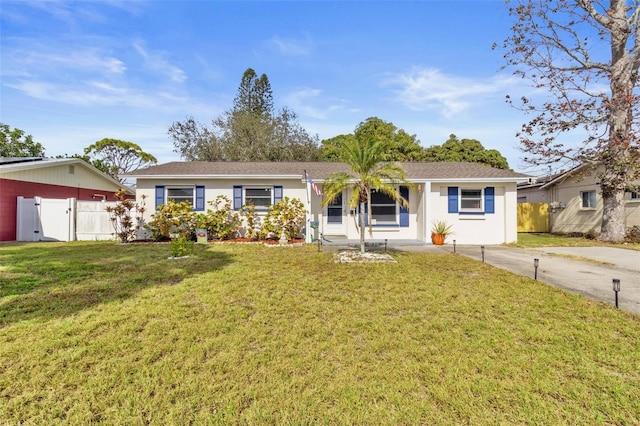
438	239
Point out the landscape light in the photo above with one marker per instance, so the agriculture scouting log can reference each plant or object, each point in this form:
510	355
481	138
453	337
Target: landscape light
616	288
482	251
536	262
454	246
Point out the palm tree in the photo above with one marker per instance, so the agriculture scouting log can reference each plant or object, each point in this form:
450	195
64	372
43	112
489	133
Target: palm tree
368	171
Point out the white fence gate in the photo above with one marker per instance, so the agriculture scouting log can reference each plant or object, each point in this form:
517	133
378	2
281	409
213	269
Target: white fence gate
47	219
93	221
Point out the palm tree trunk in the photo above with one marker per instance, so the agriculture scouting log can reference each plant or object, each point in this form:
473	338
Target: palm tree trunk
362	226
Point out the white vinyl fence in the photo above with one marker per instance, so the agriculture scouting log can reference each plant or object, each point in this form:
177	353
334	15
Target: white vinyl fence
47	219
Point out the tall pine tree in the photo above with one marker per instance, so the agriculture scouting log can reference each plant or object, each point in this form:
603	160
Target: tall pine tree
254	95
250	131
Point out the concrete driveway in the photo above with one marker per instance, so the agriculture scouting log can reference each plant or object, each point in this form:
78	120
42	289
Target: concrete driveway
585	270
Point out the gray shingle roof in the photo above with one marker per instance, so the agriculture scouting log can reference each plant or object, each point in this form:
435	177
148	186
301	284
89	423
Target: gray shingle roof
318	170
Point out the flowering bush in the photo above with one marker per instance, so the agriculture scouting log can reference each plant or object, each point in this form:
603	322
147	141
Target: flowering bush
287	215
252	221
220	222
172	219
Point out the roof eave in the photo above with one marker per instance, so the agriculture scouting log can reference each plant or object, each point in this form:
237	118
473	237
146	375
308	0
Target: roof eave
58	162
478	179
207	176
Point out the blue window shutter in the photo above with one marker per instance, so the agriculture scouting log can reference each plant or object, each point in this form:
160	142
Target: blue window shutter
404	211
237	197
489	200
159	196
453	199
199	198
277	194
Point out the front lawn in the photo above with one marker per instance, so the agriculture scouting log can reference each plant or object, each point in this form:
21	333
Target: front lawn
247	334
529	240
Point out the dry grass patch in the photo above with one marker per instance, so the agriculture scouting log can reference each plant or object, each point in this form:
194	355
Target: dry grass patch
247	334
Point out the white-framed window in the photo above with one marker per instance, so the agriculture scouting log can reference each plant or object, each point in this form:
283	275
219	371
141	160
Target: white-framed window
522	199
384	209
260	197
180	194
635	195
334	210
588	199
471	200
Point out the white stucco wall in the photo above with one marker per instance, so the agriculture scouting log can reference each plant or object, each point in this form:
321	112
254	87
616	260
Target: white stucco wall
491	228
393	232
428	202
214	188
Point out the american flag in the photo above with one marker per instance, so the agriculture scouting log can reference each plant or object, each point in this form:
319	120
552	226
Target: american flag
315	187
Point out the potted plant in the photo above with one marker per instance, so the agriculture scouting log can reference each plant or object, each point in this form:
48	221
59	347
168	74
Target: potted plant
440	229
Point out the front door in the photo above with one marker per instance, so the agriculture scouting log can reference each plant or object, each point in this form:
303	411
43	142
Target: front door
334	218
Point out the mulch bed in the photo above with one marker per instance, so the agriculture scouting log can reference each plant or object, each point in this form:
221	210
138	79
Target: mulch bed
269	241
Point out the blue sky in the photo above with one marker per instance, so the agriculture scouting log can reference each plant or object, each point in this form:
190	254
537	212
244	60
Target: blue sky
73	73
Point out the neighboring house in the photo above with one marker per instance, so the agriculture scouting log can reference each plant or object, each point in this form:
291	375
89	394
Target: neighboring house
68	178
479	201
575	200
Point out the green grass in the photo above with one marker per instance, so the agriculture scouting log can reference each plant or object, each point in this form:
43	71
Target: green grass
244	334
528	240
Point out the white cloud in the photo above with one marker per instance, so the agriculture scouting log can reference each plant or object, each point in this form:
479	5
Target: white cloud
73	13
83	93
291	47
309	102
79	75
300	102
428	88
156	61
30	57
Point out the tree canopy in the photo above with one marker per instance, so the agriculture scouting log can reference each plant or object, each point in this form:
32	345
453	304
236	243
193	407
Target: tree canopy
397	144
584	56
470	150
369	171
250	131
117	157
14	143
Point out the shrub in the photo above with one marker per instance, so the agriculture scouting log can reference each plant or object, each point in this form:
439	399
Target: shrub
170	219
221	222
591	234
125	225
252	220
632	235
574	234
286	215
181	246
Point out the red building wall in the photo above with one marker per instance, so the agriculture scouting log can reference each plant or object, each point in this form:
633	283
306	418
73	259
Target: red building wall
10	190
